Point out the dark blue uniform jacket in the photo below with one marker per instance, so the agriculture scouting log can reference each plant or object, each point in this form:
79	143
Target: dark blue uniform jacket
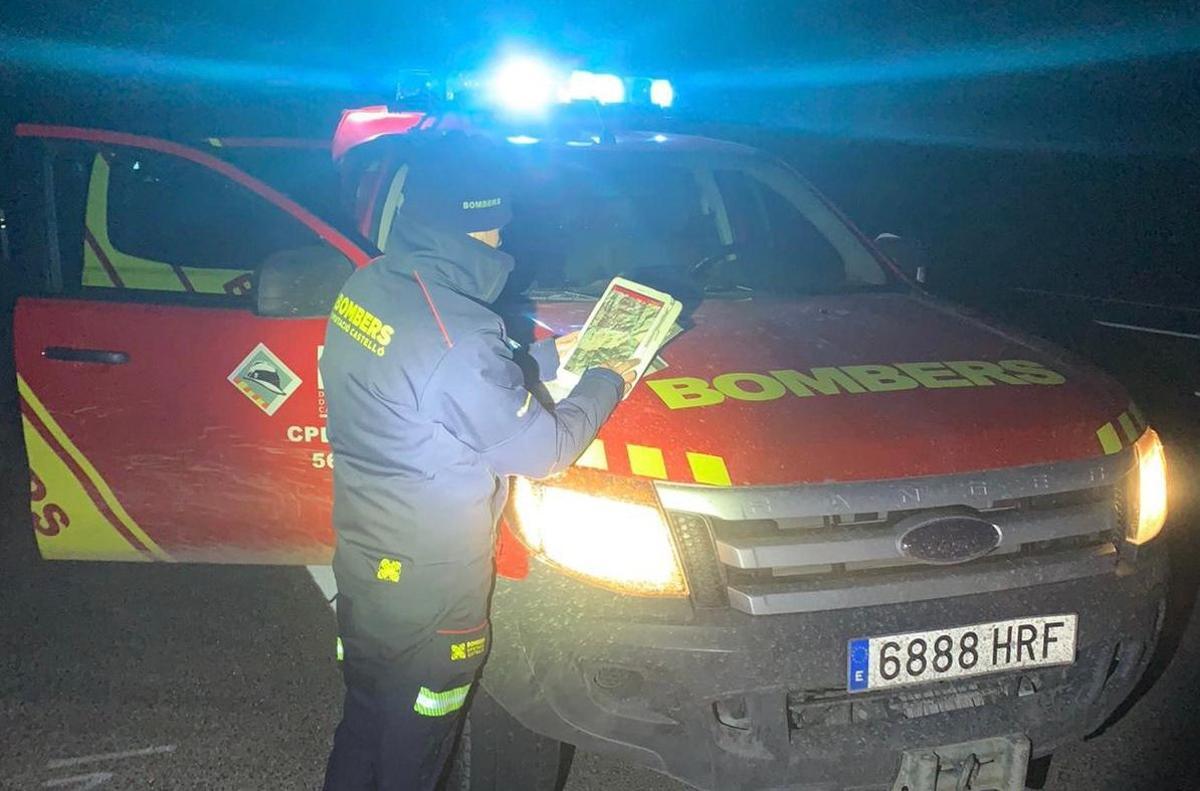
429	412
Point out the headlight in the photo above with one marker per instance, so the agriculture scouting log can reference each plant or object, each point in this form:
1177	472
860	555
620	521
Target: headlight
1150	503
621	545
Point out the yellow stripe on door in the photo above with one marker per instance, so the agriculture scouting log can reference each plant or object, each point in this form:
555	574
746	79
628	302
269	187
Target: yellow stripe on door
88	535
66	521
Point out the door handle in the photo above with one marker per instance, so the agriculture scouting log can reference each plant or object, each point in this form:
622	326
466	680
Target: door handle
71	354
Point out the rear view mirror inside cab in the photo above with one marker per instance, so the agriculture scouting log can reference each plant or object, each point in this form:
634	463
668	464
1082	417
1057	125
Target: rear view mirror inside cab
300	282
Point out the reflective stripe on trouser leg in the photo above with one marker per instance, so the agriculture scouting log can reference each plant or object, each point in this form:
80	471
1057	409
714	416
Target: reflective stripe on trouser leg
437	704
394	658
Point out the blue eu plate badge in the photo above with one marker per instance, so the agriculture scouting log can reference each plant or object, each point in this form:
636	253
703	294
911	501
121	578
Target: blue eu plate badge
858	664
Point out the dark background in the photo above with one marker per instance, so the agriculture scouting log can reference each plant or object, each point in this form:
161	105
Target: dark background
1047	153
1049	145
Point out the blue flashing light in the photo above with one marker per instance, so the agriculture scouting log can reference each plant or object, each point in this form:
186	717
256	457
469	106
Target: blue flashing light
578	87
523	85
608	89
659	138
662	93
522	140
591	87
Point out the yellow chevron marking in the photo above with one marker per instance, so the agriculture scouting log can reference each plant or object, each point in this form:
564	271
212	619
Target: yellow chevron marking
594	457
1131	432
1109	441
709	469
647	461
90	535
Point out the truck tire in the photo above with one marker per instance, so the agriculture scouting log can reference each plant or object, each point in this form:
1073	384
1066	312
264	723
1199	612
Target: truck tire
497	753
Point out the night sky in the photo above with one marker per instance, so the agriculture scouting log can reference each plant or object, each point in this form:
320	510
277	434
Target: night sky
1031	143
1080	76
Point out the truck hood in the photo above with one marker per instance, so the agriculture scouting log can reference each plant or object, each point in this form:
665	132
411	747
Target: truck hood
843	388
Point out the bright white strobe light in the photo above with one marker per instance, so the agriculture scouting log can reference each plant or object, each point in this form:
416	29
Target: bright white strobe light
609	89
662	93
592	87
523	84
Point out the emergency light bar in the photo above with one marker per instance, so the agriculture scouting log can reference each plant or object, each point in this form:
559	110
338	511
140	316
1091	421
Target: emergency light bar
527	85
523	98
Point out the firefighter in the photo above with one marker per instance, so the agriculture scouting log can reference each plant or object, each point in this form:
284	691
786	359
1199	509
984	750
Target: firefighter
428	415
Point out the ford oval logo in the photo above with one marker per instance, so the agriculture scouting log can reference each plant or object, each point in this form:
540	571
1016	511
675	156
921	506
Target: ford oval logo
949	538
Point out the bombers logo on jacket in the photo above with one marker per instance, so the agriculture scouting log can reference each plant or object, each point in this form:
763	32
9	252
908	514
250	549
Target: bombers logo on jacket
489	203
688	391
361	324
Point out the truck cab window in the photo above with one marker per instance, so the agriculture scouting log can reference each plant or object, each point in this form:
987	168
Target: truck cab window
153	223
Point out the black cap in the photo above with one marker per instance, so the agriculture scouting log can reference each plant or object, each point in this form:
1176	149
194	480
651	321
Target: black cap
456	184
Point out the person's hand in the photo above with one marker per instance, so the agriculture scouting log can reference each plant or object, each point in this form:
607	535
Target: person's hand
565	344
626	369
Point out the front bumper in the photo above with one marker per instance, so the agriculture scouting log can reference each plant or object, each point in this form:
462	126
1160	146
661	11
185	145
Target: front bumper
721	699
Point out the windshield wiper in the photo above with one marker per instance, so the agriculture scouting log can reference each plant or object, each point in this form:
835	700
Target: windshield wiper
563	294
736	289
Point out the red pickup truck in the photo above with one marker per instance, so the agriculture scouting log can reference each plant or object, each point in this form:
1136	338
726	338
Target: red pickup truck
849	536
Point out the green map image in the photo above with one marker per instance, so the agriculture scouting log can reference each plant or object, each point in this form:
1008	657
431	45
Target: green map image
615	332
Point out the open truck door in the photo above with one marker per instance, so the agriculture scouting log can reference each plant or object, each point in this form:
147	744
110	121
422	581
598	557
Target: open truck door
165	417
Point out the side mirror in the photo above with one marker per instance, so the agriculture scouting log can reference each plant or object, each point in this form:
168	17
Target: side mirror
908	254
300	282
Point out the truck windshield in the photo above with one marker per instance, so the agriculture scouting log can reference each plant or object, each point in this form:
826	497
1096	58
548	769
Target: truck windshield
723	227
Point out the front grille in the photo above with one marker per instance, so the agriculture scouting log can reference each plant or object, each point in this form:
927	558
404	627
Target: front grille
792	550
705	577
1042	526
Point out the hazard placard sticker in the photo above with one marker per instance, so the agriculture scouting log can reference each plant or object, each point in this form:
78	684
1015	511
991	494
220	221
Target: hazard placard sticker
264	379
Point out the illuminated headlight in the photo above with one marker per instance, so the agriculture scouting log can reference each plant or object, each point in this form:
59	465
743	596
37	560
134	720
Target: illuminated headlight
1150	501
624	546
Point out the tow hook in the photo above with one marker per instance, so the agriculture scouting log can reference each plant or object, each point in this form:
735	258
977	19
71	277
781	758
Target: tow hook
995	764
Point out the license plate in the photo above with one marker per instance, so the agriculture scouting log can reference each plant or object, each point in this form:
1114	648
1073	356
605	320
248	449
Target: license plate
920	657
